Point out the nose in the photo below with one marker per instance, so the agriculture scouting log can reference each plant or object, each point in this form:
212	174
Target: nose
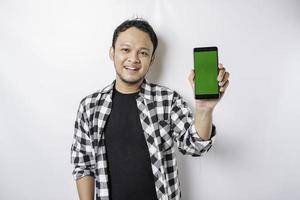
133	57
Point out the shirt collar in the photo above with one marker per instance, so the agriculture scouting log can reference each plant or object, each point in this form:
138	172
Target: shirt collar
145	89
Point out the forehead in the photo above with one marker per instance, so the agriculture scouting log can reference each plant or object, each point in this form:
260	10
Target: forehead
134	37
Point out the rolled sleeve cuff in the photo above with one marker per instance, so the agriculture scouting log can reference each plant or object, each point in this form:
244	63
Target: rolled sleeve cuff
79	173
205	145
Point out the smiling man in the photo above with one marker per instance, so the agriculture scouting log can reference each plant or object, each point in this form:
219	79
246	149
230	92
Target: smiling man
124	138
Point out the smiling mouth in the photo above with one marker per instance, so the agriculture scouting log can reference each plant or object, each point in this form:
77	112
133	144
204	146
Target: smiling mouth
131	68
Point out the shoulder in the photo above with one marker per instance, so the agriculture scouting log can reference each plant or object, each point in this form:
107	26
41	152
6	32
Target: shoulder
158	90
90	101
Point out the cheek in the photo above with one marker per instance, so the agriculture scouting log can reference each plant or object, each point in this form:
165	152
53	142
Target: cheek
119	59
146	62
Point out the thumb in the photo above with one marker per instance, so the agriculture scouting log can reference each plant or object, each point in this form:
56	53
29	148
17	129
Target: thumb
192	78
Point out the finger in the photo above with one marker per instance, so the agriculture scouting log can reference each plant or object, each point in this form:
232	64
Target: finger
221	66
223	89
225	78
221	74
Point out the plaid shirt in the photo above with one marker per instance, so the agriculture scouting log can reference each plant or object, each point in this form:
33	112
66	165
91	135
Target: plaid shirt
165	118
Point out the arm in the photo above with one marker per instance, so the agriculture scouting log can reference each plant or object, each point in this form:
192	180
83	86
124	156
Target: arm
82	156
85	188
203	123
184	129
205	107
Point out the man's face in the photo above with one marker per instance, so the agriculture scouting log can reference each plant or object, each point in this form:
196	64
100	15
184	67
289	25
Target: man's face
132	55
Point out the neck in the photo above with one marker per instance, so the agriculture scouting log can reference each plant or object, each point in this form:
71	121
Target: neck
127	88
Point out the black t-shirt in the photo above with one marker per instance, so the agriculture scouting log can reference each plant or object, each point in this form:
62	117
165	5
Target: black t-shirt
129	166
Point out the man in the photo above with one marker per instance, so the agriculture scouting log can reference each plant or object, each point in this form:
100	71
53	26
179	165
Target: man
124	136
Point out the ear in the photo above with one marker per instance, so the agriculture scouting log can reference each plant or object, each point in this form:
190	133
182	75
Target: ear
152	59
111	53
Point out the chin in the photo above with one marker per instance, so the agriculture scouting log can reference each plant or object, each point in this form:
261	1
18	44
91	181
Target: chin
130	80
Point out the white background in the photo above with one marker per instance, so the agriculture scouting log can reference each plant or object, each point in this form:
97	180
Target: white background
53	53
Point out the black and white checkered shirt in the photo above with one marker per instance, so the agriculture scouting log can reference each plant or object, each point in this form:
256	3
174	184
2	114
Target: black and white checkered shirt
166	119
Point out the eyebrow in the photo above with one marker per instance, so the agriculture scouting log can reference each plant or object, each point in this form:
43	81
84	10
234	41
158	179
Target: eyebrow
128	45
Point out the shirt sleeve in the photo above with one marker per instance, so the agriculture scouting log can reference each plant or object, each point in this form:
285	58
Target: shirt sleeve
82	153
184	130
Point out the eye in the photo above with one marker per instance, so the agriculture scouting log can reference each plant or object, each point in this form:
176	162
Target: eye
144	53
126	50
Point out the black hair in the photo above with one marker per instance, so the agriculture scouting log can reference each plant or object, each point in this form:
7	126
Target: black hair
139	23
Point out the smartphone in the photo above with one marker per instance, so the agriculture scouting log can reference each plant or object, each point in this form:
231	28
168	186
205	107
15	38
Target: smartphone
206	73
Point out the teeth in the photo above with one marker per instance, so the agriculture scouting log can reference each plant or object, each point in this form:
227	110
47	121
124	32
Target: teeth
131	68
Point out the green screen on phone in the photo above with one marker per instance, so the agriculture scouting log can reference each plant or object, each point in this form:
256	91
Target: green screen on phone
206	72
